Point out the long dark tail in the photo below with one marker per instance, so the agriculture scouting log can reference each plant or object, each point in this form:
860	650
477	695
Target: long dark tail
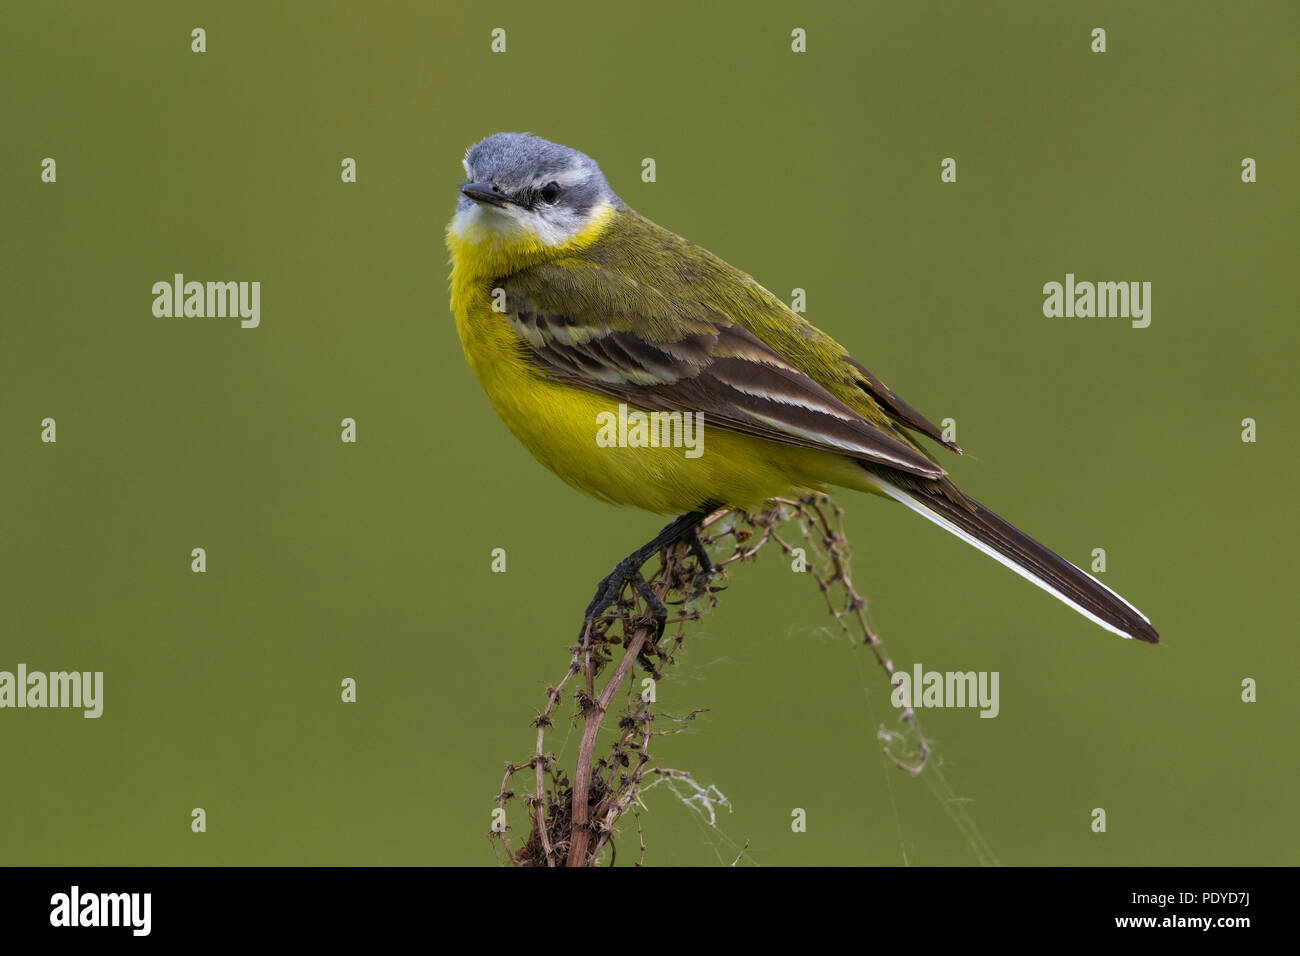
982	529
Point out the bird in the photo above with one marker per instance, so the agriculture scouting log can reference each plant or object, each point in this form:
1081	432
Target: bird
575	312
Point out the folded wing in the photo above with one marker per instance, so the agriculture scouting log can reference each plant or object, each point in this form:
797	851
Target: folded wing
618	338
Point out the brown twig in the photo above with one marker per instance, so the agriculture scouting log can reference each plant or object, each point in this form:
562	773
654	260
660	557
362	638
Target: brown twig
595	714
571	822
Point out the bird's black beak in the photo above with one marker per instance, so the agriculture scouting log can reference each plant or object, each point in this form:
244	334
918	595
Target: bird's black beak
485	192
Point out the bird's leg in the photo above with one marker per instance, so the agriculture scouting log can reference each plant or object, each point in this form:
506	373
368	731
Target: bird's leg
685	528
707	567
656	606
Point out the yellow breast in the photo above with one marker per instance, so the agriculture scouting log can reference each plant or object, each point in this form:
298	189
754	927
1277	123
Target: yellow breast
561	424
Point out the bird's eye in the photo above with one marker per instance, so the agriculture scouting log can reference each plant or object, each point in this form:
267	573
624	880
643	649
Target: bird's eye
550	192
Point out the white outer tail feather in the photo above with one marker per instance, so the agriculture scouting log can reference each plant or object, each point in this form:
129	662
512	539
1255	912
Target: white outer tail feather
919	507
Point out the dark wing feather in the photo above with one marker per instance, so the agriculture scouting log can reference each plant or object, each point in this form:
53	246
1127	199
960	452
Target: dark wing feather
706	363
903	411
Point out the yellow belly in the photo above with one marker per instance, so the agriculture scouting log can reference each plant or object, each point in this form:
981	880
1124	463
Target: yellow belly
560	423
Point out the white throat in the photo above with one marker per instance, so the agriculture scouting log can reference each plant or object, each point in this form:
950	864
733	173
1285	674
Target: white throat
481	224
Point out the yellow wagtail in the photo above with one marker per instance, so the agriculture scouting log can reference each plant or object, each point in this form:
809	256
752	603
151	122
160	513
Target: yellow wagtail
603	340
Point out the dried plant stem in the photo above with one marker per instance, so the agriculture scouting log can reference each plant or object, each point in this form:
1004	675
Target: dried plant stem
595	715
572	821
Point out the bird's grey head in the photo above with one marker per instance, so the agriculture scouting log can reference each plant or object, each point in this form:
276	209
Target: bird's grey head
520	182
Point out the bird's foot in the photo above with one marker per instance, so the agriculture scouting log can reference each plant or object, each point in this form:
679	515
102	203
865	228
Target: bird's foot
628	571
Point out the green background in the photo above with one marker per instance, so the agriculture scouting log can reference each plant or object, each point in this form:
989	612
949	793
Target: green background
818	171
